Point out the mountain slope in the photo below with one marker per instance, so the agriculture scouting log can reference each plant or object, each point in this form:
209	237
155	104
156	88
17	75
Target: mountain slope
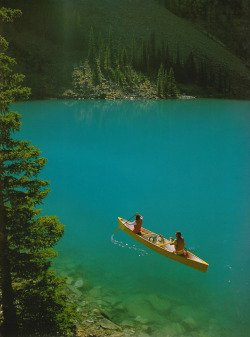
60	29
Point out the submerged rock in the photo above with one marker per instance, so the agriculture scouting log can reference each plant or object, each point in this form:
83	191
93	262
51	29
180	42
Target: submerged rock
147	329
127	323
140	308
111	300
69	280
141	320
74	290
107	324
97	312
158	302
190	323
96	291
143	334
79	283
181	312
119	307
83	303
174	329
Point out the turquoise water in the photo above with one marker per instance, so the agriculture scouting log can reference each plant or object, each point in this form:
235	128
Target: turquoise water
184	165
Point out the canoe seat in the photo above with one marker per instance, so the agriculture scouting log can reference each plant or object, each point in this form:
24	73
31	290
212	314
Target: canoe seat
162	244
147	234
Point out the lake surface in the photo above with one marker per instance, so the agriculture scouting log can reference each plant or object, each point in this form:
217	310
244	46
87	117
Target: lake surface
184	165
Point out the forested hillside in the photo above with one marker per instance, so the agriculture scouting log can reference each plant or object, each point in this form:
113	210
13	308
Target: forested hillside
226	21
51	39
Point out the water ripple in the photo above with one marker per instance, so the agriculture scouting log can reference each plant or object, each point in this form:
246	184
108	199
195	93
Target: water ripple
139	251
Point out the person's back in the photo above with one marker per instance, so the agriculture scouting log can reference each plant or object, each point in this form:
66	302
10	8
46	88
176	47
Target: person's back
138	225
180	244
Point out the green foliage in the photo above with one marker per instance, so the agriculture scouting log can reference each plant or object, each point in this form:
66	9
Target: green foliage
33	301
59	38
10	84
166	85
120	72
8	15
160	82
108	73
44	308
190	69
224	19
115	71
172	90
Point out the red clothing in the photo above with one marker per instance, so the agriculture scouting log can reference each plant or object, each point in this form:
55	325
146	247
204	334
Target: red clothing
137	227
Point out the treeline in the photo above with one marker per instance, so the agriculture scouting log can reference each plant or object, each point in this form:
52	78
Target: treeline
113	71
187	71
227	20
143	70
195	9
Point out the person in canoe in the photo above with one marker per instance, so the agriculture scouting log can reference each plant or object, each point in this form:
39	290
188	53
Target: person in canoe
137	224
178	243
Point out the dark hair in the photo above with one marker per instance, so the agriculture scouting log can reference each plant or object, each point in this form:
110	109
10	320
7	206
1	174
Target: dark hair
137	217
178	233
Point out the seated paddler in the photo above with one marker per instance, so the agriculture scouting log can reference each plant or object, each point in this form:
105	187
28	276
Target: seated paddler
137	224
178	243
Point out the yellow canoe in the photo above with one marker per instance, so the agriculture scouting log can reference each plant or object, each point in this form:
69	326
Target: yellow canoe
159	245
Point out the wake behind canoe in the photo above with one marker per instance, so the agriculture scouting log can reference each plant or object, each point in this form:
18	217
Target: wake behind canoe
161	246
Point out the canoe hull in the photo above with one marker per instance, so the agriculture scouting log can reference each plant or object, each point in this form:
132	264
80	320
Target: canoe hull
191	260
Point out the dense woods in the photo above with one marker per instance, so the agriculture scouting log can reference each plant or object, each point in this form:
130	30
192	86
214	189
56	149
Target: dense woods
52	37
143	70
113	71
32	299
226	20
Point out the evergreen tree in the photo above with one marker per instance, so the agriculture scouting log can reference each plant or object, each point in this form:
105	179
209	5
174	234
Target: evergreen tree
162	53
8	121
172	89
165	84
203	74
151	53
160	82
31	296
124	58
91	49
190	69
126	77
101	52
133	54
166	87
178	70
143	57
92	59
167	59
111	48
95	75
119	53
107	59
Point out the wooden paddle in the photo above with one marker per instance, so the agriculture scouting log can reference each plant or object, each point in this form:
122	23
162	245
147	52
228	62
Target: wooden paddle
117	229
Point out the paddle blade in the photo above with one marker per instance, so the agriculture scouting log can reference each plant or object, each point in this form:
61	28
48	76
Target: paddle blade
117	229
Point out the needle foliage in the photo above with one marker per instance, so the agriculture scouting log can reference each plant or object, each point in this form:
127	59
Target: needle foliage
32	299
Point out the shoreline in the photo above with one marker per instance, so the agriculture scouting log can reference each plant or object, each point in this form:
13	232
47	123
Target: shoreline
104	312
95	309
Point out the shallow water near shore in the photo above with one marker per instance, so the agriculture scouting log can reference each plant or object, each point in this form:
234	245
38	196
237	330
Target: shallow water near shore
184	165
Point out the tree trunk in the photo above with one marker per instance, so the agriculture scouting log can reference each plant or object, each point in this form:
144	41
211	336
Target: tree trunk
9	327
